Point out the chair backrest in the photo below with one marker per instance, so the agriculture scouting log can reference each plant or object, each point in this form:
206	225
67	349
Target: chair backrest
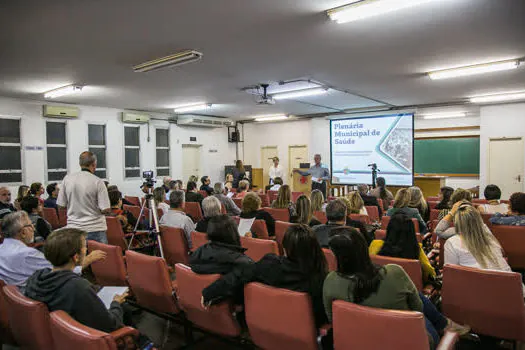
434	214
6	335
265	201
380	234
411	266
486	219
278	214
218	319
204	193
193	209
479	201
283	321
433	199
296	195
260	229
357	327
175	245
51	216
280	230
149	279
28	320
133	200
380	202
512	241
365	219
238	202
321	216
62	216
135	211
491	302
330	259
115	233
373	213
112	270
257	248
198	239
272	195
432	204
69	334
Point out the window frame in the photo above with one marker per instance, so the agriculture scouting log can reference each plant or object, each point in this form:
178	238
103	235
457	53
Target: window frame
105	146
124	168
66	146
168	148
21	145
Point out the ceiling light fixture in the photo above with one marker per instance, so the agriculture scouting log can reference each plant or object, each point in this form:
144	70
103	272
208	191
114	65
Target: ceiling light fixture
300	93
177	59
474	69
62	91
357	10
271	118
192	107
444	115
500	97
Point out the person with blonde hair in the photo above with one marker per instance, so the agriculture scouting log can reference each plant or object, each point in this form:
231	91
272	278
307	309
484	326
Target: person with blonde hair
401	205
356	205
317	199
418	202
284	200
23	191
304	212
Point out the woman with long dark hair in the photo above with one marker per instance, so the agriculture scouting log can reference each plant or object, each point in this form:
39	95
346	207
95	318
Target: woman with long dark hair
382	193
445	203
302	269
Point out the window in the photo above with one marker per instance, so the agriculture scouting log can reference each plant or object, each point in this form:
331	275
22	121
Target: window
131	151
163	152
56	151
97	145
10	151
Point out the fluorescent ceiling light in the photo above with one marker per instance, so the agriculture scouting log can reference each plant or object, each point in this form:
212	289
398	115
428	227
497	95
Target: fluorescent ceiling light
271	118
65	90
357	10
444	115
474	69
192	107
300	93
501	97
177	59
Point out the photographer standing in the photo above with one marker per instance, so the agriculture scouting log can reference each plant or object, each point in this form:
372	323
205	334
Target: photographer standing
86	198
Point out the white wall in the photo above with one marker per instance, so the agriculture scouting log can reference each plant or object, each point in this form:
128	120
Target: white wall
33	134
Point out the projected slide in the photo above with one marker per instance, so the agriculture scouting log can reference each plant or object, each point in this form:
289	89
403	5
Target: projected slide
387	141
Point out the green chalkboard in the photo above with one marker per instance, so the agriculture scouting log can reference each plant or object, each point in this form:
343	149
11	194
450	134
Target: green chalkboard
446	156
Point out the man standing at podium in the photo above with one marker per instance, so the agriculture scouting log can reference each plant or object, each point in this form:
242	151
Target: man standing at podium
319	175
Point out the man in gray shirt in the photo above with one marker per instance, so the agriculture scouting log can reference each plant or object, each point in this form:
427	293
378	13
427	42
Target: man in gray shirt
176	217
319	175
231	208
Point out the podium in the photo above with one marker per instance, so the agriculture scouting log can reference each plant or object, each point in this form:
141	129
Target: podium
301	183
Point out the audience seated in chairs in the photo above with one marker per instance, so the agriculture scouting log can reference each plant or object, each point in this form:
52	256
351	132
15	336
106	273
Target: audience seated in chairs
417	201
302	269
223	253
52	195
380	192
284	201
401	242
23	190
318	202
355	205
368	199
126	219
401	205
219	191
33	207
18	261
492	194
304	212
176	217
358	280
251	208
192	194
158	195
445	201
242	190
62	289
205	181
211	207
5	202
516	215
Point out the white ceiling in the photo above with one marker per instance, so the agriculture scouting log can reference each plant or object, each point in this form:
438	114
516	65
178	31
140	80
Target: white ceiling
48	44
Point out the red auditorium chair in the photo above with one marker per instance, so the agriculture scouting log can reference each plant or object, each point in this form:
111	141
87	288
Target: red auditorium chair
373	213
28	320
265	201
198	239
260	229
278	214
357	327
257	248
432	205
174	245
283	321
512	241
434	214
193	209
330	259
69	334
296	195
490	302
433	199
62	217
238	202
219	319
479	201
204	193
116	235
411	266
135	211
149	280
486	219
272	195
365	219
51	216
112	270
380	202
321	216
280	230
133	200
6	335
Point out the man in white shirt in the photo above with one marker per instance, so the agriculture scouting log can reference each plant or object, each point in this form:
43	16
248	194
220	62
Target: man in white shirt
275	171
86	198
176	217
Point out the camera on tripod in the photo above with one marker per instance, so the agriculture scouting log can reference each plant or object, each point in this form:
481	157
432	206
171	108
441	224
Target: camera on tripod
373	166
149	179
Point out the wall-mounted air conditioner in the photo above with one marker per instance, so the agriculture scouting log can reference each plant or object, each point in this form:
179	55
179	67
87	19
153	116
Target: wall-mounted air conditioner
60	111
203	121
132	117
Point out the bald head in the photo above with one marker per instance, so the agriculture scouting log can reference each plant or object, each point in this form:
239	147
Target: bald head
88	160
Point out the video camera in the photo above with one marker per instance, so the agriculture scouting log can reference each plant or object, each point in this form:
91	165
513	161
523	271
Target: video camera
149	179
373	166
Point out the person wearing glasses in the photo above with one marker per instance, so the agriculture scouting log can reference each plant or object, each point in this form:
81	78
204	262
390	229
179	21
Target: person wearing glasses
18	261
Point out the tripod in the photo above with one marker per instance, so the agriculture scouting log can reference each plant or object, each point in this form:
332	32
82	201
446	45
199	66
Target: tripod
374	176
153	220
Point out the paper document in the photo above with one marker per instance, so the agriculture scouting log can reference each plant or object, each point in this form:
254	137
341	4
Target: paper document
107	294
230	194
317	179
245	225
